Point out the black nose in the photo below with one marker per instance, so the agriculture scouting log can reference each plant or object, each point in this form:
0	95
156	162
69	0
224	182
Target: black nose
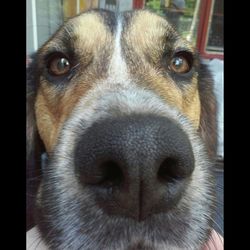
135	165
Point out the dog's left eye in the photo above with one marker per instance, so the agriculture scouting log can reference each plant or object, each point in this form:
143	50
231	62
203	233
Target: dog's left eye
58	65
181	63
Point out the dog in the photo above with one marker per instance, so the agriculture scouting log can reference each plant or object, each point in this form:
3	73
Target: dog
124	109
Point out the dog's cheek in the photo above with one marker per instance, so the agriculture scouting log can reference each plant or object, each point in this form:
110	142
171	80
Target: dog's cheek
47	125
192	108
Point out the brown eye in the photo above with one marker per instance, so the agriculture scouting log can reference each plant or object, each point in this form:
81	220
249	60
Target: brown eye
181	63
58	66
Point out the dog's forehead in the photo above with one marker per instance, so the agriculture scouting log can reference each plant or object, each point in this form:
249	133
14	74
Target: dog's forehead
95	27
152	30
147	24
88	30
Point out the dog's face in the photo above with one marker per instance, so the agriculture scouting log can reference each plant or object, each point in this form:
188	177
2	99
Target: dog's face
126	113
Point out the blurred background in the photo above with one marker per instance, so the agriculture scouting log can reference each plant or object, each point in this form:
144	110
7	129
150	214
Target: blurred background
198	21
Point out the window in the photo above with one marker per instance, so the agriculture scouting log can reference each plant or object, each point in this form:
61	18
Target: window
210	39
184	15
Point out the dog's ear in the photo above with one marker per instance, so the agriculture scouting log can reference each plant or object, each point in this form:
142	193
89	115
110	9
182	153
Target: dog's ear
34	146
208	119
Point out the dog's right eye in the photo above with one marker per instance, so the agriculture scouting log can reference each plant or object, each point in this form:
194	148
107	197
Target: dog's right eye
181	62
58	65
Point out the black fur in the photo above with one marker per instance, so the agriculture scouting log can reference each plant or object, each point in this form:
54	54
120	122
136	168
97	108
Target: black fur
208	122
34	144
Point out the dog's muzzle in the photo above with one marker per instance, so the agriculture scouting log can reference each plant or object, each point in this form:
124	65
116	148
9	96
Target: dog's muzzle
134	165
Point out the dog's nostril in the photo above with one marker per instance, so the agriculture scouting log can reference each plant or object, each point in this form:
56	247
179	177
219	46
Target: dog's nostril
111	174
135	166
169	169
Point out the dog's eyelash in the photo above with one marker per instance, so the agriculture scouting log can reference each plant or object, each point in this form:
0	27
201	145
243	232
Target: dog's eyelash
75	67
72	71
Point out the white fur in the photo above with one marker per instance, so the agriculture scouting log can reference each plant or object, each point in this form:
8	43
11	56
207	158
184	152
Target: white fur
118	72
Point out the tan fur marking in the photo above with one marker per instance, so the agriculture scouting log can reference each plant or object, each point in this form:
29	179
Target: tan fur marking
91	32
191	103
146	36
46	122
53	106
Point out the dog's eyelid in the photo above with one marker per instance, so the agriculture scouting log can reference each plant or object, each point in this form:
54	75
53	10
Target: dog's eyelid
184	52
54	53
183	49
175	51
56	47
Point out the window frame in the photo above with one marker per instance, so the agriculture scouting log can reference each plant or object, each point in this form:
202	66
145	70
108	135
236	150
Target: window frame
206	11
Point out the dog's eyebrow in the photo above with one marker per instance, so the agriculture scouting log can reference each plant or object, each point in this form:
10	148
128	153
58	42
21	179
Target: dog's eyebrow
60	44
184	49
170	37
62	41
176	44
55	48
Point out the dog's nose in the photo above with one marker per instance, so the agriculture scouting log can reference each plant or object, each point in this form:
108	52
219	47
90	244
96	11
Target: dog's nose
135	165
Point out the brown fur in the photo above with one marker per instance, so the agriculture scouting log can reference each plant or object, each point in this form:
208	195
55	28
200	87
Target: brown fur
53	106
146	38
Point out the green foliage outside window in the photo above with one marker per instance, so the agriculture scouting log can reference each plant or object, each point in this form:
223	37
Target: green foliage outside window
157	6
154	5
184	26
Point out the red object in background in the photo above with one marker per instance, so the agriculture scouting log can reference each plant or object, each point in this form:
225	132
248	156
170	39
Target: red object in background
205	10
138	4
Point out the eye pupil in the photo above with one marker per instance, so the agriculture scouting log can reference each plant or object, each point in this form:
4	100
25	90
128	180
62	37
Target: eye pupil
62	64
181	63
177	61
58	66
